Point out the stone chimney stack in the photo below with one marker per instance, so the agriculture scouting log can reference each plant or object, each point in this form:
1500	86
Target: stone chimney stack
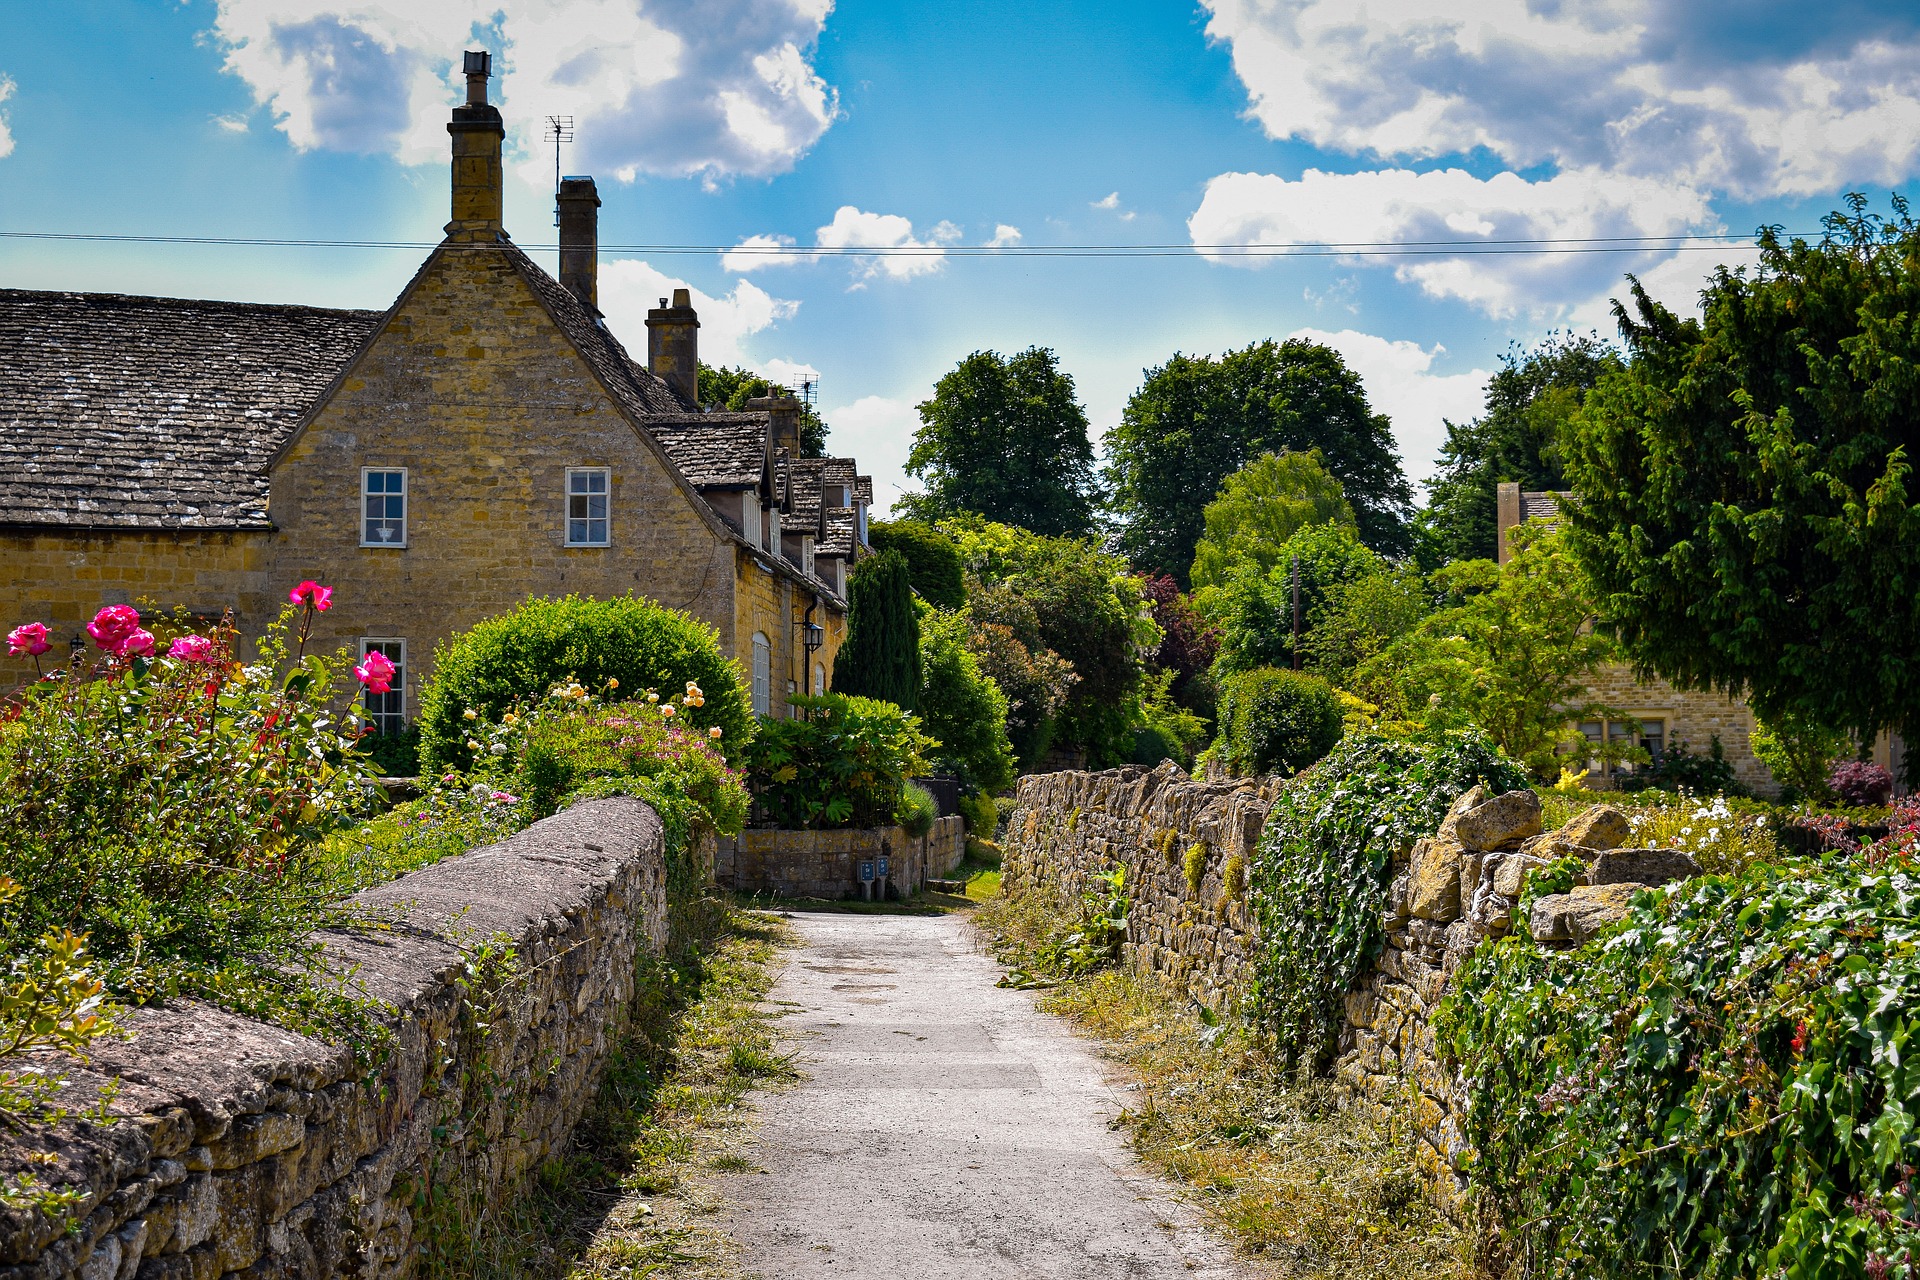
784	410
673	345
580	241
477	133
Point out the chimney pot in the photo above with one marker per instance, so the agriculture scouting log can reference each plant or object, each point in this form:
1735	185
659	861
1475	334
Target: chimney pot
673	346
579	205
477	177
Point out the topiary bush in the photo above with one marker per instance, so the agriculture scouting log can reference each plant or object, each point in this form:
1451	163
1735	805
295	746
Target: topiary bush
881	655
1275	721
520	655
1320	876
917	811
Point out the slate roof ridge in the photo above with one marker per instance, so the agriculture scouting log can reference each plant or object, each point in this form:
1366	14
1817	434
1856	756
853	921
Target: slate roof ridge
646	392
170	302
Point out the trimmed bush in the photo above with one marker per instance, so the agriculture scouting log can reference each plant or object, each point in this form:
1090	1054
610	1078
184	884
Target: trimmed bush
1860	784
933	561
518	656
843	763
982	813
881	656
961	708
1276	721
917	811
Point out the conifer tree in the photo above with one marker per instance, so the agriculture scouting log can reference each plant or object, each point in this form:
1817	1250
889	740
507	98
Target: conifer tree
881	656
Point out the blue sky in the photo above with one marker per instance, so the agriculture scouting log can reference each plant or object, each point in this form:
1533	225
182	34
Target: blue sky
862	123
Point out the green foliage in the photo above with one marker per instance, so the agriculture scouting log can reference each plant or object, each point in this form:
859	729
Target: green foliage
934	566
1005	438
560	750
1707	773
1196	420
1091	941
394	755
1530	400
917	811
517	657
1254	610
1319	877
842	763
1744	505
1800	752
961	708
881	655
1360	620
1260	507
1036	683
982	813
731	388
1169	731
1512	657
1718	1087
1193	867
1274	721
50	998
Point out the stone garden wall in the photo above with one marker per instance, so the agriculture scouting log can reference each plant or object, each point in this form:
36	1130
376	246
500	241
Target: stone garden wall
238	1149
828	864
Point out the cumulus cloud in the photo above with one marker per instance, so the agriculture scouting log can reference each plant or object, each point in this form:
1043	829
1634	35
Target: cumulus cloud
756	252
1400	383
879	432
670	87
1004	236
6	135
1400	206
630	287
1111	203
1755	97
854	228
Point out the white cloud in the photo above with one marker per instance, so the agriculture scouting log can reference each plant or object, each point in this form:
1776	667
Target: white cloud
1753	98
854	228
1400	206
630	287
235	123
1004	236
1399	383
790	374
725	86
6	135
1676	282
879	432
1111	203
755	252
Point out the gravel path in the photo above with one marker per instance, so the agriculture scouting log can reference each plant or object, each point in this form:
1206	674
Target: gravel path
946	1128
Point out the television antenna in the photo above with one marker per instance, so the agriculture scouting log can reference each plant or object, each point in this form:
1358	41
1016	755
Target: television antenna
559	130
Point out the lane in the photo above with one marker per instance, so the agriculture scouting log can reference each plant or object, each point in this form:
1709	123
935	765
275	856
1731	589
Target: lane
946	1129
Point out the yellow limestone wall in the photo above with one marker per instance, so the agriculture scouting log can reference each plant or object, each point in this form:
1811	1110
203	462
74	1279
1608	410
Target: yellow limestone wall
62	579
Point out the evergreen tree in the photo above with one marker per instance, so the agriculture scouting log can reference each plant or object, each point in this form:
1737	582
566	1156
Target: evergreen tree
1004	437
881	656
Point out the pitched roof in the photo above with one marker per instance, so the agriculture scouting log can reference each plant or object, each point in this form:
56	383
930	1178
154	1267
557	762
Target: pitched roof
715	450
804	495
155	412
863	490
1543	506
640	391
839	537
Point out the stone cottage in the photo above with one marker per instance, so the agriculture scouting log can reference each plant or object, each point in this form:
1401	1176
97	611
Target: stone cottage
484	439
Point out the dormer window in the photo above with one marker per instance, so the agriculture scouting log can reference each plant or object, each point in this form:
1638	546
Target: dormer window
587	517
383	494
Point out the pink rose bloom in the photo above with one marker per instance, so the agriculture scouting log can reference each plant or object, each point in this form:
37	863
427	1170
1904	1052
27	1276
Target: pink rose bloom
138	642
322	597
376	672
113	624
29	639
192	649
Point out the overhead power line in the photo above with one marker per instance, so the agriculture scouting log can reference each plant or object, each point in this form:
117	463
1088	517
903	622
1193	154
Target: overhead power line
1293	249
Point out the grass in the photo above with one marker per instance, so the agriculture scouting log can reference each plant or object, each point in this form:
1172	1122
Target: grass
1311	1185
627	1198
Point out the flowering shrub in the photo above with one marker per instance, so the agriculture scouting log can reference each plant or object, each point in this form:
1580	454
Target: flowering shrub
1720	1086
1860	784
165	807
844	763
1721	839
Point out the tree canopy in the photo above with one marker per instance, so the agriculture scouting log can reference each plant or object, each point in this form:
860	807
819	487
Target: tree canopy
1743	485
1262	505
1254	609
731	388
933	562
1196	420
881	655
1005	438
1529	403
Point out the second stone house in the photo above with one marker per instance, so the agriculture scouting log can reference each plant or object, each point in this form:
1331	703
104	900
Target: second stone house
484	439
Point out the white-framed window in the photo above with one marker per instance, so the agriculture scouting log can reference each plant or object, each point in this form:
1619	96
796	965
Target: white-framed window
1651	737
762	674
388	710
588	491
383	504
819	679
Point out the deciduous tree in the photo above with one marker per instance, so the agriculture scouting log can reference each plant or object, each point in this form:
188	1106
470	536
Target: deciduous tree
1262	505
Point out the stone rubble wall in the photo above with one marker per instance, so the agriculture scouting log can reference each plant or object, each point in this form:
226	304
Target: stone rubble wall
239	1149
1065	828
826	864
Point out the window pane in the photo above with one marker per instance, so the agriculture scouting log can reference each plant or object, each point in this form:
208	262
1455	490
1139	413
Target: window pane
388	711
587	508
386	508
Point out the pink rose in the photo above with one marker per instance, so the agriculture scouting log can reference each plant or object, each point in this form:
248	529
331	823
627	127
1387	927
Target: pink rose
375	671
30	639
113	624
321	597
192	649
138	642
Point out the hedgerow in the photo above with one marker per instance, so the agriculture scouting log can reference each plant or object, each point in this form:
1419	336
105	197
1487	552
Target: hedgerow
1319	878
1721	1086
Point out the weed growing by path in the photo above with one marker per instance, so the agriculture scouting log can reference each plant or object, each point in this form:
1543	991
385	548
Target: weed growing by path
627	1197
1314	1187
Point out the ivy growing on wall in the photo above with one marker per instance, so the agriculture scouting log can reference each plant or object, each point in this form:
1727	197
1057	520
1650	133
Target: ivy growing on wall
1319	878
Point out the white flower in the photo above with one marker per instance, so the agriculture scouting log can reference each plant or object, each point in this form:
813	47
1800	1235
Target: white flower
498	749
480	791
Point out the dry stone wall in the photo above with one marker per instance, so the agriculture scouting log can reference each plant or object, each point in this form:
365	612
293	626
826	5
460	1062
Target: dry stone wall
827	864
238	1149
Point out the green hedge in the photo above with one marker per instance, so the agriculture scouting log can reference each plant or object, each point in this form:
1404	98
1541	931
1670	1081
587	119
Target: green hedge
1724	1085
843	763
521	654
1275	721
933	561
1319	878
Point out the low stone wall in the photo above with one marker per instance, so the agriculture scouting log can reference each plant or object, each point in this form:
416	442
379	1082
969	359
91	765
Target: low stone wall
1187	913
827	864
241	1149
